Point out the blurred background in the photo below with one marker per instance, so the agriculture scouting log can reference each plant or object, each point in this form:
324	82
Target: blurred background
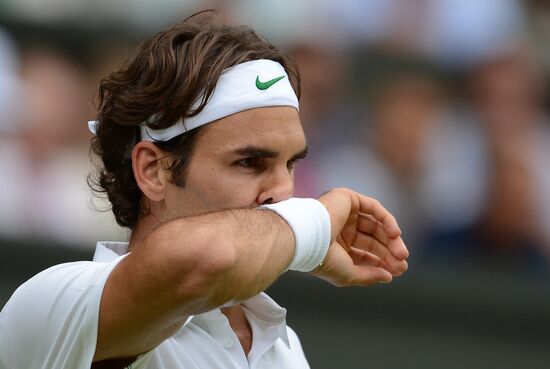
438	108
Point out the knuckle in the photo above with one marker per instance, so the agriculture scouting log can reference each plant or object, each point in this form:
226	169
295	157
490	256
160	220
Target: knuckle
347	281
374	227
371	245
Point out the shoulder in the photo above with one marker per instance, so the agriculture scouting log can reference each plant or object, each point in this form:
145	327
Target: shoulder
61	282
56	313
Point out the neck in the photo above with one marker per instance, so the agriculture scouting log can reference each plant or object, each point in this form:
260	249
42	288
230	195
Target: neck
239	324
143	228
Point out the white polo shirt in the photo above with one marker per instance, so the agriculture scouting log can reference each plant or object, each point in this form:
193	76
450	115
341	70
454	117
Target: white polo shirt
51	322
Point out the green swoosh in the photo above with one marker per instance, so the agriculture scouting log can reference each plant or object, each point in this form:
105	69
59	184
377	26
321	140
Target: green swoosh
267	84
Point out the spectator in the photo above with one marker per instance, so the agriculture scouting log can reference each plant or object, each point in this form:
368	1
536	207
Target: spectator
47	157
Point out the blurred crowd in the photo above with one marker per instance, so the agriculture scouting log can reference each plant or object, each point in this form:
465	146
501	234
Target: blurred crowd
438	108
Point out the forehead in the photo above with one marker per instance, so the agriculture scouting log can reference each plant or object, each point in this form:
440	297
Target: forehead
274	128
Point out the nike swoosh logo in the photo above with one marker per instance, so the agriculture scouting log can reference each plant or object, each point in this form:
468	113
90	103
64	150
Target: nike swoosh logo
265	85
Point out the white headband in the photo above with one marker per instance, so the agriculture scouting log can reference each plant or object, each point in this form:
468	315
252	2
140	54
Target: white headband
253	84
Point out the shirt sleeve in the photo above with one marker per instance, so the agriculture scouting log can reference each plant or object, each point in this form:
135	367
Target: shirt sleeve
51	321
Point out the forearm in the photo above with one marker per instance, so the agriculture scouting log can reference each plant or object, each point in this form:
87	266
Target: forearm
223	256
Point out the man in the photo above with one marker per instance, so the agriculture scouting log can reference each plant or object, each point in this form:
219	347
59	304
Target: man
198	133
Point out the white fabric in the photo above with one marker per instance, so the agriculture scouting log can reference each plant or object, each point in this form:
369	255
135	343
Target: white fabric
310	222
235	91
51	323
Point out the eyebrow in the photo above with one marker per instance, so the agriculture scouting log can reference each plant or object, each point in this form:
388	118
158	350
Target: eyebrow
300	155
258	152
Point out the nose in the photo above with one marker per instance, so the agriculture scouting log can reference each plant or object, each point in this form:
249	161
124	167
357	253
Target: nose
277	187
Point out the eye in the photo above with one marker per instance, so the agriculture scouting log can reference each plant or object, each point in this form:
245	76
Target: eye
247	162
252	162
290	165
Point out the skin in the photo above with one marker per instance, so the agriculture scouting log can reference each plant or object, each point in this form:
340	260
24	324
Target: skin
206	244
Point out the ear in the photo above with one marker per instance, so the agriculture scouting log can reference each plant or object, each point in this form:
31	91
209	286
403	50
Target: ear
146	164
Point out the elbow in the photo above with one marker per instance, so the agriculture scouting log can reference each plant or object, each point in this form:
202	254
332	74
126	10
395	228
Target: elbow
206	276
217	257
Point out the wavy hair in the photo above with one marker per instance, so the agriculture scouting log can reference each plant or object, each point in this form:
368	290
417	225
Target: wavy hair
162	79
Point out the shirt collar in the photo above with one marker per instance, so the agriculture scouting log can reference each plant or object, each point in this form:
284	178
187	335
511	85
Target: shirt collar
107	251
266	312
266	318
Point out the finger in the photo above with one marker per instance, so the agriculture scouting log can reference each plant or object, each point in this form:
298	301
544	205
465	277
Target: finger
361	257
398	248
370	244
393	265
368	275
366	224
373	207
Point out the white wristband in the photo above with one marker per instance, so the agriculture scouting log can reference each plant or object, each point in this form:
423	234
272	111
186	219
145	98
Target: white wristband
310	222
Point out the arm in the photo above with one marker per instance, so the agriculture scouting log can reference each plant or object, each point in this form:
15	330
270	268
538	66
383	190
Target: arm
192	265
185	267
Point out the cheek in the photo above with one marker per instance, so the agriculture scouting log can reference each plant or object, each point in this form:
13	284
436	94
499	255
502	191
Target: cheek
223	188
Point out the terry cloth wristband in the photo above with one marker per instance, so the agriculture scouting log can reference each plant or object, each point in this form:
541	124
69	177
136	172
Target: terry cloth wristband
310	222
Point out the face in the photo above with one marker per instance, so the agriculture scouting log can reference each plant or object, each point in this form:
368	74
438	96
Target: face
240	161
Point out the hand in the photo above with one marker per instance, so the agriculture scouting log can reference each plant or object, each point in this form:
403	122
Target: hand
366	245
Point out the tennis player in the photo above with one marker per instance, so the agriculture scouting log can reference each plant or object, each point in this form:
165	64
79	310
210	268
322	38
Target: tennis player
198	133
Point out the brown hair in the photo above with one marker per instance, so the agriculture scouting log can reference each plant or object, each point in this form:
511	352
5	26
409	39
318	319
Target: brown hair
163	79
